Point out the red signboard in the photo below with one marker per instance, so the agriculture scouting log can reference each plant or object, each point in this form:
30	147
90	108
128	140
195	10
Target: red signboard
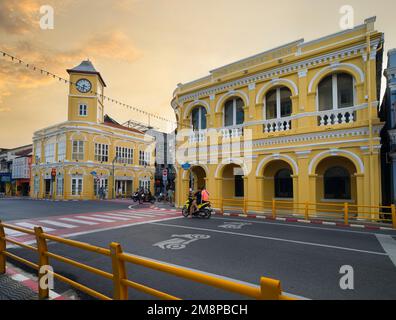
53	172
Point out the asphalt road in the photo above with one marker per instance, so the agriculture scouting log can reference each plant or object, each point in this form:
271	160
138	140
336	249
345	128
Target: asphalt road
307	259
15	209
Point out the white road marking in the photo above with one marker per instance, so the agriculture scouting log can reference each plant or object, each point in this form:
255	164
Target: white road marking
89	223
58	224
107	216
389	246
274	239
32	226
120	215
13	233
130	215
96	219
19	277
289	225
146	215
153	213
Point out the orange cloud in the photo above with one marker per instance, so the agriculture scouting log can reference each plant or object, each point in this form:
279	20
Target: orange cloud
13	75
18	16
22	16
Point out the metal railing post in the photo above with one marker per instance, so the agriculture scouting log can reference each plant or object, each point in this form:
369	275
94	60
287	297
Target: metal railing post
273	208
42	250
393	208
346	213
244	206
270	289
306	213
119	272
3	247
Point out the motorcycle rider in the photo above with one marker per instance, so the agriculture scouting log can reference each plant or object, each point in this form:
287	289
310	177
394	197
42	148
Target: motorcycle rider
197	200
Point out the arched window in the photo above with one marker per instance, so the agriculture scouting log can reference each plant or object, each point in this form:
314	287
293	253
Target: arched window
336	91
337	183
233	112
278	103
283	184
198	118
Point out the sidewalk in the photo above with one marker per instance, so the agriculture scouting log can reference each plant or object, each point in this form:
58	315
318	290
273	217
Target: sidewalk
16	284
12	287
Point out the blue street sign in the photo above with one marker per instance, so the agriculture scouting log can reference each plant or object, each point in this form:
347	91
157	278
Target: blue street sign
186	166
93	173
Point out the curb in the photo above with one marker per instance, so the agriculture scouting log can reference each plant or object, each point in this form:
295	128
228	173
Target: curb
295	220
31	284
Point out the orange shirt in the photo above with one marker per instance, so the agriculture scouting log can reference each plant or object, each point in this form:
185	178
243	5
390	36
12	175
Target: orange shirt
205	195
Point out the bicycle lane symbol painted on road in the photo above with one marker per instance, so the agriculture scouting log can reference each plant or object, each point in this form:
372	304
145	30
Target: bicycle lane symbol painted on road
179	242
234	225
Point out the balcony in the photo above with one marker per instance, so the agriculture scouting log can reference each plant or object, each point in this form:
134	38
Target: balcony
231	133
338	116
197	137
277	125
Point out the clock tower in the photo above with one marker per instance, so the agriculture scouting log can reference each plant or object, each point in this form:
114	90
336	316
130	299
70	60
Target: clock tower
86	93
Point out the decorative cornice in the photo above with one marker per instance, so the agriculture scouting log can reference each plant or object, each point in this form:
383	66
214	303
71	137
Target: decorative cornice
288	69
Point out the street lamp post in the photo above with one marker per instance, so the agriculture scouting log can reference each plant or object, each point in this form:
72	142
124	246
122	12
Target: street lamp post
114	160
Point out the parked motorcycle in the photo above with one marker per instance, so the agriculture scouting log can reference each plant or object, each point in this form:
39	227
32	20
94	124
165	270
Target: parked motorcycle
205	209
143	198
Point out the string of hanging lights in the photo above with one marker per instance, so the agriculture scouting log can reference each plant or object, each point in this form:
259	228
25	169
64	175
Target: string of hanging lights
66	81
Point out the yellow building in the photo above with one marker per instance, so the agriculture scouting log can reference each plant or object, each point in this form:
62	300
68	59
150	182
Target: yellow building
297	124
90	154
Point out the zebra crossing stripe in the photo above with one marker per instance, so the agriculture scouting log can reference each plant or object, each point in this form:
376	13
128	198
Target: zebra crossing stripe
127	217
96	219
142	215
32	226
13	233
89	223
110	217
58	224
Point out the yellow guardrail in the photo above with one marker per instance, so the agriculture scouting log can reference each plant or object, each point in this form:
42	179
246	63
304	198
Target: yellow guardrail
269	289
345	212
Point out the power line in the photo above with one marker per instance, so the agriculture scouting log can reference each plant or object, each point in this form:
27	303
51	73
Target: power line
66	81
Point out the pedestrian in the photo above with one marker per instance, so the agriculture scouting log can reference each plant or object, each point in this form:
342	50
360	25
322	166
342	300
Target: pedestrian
170	196
101	193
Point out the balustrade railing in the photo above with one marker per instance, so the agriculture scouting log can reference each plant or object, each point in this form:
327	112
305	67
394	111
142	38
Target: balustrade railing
337	116
277	125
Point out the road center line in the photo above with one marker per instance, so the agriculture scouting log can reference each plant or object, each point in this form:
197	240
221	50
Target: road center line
273	239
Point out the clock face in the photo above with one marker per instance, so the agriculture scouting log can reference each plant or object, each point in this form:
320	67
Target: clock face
83	85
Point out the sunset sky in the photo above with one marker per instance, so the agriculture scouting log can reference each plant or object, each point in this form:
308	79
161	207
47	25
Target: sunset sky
144	48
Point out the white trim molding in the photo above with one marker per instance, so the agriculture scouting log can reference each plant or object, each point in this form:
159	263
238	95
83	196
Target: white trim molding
276	82
194	104
277	156
230	94
336	152
334	68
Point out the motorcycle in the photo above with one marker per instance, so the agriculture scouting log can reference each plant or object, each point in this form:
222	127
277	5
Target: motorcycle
143	198
205	210
135	197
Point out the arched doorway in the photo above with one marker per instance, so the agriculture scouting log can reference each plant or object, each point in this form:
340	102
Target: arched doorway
278	181
232	182
197	177
336	180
